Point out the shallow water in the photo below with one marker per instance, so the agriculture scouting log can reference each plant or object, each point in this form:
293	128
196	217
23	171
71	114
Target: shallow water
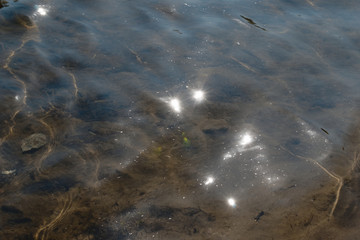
179	120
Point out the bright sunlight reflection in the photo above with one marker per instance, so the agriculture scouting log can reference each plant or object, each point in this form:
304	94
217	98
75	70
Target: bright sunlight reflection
198	95
41	10
231	202
246	139
209	180
175	105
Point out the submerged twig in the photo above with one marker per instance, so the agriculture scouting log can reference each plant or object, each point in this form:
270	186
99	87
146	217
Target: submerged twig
340	181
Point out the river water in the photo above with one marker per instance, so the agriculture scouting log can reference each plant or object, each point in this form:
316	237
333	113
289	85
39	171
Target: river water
179	119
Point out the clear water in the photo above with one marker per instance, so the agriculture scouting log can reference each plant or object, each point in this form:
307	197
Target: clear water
180	119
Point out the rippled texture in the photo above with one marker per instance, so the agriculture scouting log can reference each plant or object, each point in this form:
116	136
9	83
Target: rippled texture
179	120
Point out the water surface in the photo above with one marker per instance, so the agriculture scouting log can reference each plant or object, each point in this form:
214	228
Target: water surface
179	120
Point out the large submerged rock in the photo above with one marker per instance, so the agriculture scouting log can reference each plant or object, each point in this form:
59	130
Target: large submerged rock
33	142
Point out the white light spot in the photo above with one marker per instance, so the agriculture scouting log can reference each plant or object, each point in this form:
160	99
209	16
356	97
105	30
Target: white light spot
209	180
227	156
246	139
311	133
198	95
175	105
272	180
41	10
231	202
17	97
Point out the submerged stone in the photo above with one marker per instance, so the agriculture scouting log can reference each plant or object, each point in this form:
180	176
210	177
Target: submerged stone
33	142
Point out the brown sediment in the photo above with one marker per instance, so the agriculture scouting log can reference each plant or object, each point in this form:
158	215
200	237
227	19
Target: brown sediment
344	214
143	198
65	203
50	145
347	214
28	36
338	179
11	128
117	196
94	157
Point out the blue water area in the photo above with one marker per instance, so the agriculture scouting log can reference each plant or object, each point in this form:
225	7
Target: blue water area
179	119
